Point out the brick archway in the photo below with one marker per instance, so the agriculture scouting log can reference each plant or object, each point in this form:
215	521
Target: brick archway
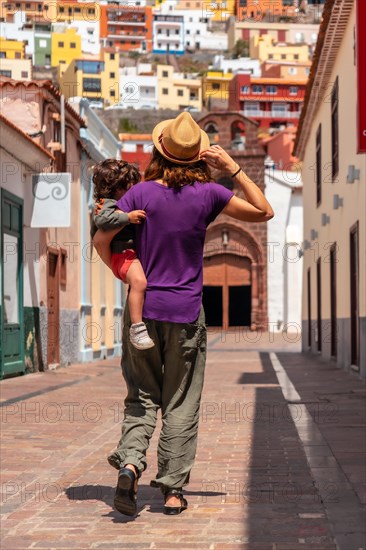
238	135
237	270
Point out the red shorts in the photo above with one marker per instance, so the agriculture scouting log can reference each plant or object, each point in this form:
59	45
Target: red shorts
121	263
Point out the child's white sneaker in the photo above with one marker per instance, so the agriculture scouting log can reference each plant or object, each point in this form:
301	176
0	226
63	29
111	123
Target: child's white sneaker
139	336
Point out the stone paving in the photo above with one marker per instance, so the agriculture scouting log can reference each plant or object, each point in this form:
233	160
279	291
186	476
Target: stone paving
264	473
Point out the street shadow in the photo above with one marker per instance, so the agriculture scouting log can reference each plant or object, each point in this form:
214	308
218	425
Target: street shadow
267	376
280	487
148	498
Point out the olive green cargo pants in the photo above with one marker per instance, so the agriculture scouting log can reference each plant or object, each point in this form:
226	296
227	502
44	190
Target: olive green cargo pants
168	376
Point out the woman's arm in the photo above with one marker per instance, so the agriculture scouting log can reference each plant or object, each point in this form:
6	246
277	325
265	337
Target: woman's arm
255	208
102	241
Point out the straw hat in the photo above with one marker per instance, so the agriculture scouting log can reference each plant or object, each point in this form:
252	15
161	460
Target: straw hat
180	139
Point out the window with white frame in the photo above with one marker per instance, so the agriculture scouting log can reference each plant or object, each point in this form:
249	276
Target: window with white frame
252	106
280	108
257	89
271	90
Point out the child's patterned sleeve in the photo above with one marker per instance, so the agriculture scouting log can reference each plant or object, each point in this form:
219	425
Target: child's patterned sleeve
108	218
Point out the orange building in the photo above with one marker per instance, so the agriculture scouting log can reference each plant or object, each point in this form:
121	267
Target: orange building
128	28
280	147
50	11
256	10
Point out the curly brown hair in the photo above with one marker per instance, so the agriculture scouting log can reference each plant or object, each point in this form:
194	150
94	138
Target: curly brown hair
176	175
111	175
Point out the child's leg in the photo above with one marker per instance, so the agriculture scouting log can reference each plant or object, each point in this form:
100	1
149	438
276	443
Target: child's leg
136	279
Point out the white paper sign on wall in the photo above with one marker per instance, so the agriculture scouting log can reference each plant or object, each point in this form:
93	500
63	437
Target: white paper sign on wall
51	200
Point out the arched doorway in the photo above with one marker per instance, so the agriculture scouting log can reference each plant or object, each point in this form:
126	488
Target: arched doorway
212	131
227	290
234	292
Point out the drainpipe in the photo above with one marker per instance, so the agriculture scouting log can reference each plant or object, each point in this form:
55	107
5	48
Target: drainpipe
62	109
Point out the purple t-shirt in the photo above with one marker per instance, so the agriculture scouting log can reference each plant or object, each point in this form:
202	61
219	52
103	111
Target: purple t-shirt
169	244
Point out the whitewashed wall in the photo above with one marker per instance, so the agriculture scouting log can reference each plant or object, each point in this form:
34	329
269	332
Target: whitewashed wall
284	243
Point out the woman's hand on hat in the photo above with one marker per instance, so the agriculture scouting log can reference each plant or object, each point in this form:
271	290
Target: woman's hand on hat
218	158
137	216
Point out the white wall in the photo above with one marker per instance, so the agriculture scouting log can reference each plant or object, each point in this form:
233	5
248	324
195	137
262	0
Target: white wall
241	64
18	183
168	36
90	43
14	31
284	241
138	91
354	195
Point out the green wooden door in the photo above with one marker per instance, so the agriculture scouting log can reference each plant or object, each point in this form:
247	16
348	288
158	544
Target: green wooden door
11	304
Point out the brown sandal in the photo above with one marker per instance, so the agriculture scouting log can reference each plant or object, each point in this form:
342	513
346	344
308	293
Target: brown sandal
175	510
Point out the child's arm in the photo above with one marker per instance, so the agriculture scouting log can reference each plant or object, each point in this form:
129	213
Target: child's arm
109	217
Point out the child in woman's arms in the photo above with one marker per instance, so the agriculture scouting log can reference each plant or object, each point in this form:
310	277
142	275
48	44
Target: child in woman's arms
112	178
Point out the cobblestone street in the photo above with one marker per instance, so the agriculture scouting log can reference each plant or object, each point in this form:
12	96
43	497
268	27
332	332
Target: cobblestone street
280	463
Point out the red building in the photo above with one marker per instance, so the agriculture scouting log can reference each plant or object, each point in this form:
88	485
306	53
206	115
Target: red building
127	27
136	148
272	102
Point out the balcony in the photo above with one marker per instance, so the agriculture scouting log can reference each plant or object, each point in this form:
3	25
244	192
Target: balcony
127	23
169	18
126	37
165	24
174	37
270	114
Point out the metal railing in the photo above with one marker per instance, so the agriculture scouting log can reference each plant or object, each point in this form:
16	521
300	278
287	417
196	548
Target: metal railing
271	114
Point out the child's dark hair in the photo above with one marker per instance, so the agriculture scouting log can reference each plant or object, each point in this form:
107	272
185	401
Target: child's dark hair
110	175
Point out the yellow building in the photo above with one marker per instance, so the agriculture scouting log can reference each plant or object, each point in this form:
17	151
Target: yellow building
294	70
222	10
331	142
17	69
96	78
244	29
216	85
65	46
265	48
11	49
175	91
69	11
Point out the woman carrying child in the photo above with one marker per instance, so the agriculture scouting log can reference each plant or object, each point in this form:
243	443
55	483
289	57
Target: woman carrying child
180	201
